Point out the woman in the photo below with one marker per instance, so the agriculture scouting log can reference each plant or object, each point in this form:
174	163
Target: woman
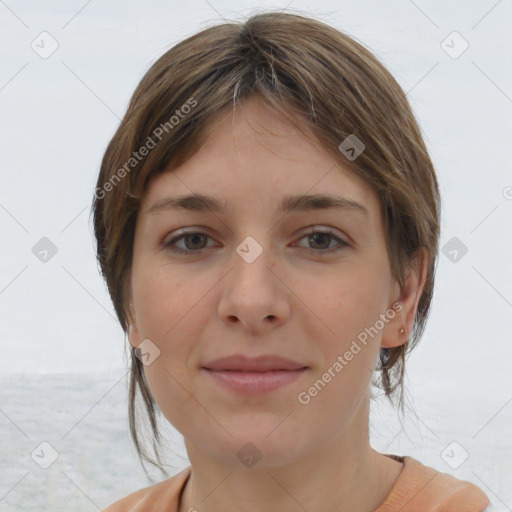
290	155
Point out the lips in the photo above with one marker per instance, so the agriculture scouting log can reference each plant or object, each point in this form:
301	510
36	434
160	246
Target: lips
265	363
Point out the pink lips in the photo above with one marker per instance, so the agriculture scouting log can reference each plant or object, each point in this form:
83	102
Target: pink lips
254	375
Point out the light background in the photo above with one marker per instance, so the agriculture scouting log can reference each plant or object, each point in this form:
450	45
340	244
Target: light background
63	358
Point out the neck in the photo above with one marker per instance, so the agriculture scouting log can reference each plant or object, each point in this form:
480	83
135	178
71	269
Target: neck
344	474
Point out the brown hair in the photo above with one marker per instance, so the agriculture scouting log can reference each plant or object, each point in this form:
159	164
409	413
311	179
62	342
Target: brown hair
306	70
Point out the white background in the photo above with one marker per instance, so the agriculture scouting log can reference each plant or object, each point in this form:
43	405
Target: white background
57	116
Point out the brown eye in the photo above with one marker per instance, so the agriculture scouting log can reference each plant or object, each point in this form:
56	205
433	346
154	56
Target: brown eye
320	241
193	241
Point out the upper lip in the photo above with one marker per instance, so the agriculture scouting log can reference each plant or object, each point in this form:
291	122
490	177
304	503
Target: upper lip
263	363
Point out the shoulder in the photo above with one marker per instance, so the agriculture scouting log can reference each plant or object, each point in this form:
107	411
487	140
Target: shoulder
424	488
165	495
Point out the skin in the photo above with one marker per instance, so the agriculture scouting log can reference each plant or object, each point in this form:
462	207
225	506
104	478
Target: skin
196	308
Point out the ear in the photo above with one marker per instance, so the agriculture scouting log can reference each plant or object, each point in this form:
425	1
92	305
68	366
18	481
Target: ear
408	297
133	331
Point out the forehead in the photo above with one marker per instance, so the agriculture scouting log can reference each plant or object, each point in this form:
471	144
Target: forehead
257	156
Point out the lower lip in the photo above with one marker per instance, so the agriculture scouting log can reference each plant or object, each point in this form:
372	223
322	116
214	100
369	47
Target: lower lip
255	382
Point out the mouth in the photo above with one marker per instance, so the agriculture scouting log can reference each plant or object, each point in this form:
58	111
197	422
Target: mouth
254	382
262	374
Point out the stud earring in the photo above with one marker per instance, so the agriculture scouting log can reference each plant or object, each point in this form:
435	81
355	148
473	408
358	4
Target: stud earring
401	331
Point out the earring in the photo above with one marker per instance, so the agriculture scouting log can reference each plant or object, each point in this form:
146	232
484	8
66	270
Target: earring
401	331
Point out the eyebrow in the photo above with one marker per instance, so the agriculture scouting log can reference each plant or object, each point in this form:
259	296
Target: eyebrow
306	202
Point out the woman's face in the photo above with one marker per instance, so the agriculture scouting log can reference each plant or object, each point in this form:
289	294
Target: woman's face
257	282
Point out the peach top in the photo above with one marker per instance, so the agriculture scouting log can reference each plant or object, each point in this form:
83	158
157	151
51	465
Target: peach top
418	489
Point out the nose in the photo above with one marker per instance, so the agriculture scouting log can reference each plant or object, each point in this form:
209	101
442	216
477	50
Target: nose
253	295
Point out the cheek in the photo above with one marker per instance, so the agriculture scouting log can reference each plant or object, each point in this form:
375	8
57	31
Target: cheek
161	299
348	302
347	305
171	312
168	312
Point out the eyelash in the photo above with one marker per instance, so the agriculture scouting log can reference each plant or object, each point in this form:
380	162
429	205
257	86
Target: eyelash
170	245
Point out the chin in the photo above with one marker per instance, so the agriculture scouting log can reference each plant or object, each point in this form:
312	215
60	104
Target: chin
259	446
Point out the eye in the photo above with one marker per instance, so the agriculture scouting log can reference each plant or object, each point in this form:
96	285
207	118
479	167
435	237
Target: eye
194	241
322	240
